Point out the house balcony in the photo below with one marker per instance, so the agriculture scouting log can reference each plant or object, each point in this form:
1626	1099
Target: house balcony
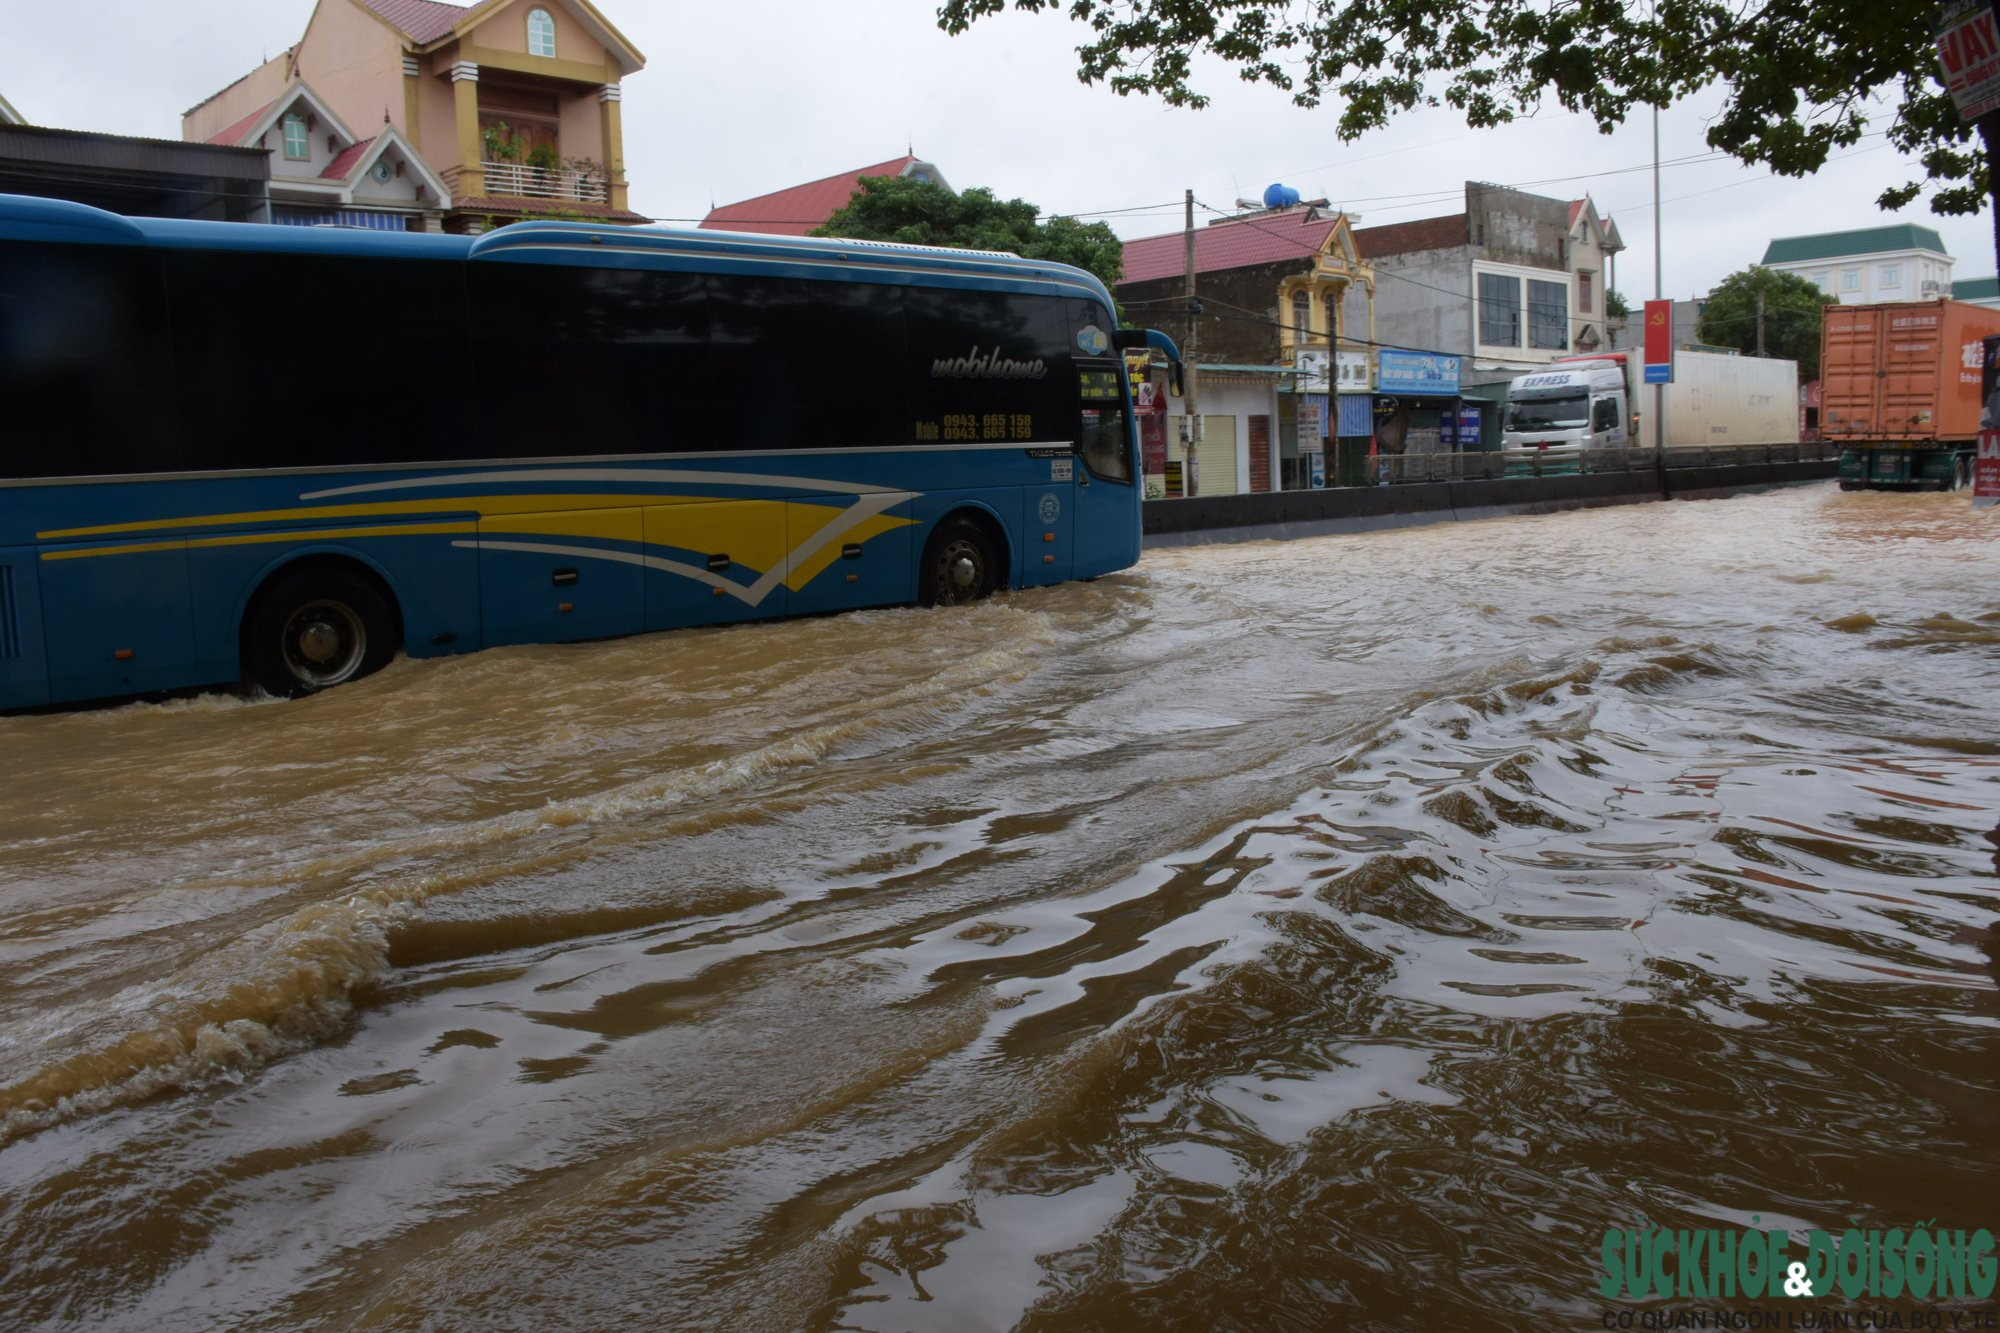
523	182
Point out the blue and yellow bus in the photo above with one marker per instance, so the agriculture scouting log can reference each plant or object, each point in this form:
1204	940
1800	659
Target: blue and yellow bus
278	455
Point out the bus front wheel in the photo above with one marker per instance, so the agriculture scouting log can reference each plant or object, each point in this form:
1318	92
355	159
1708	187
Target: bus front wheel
961	564
314	629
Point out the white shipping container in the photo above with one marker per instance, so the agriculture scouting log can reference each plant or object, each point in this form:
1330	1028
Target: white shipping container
1727	400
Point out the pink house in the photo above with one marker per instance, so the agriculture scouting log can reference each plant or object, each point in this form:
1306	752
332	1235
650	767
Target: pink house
437	116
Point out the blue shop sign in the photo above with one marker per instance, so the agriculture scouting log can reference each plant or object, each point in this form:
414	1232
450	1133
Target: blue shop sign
1420	373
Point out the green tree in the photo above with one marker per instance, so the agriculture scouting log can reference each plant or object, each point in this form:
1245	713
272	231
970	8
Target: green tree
1791	316
914	212
1801	77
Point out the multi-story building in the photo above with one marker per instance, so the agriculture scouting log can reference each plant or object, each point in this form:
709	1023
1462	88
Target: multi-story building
1900	262
800	210
1513	282
422	114
1271	286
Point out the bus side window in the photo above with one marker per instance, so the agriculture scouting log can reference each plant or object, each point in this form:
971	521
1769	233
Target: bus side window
1604	416
86	355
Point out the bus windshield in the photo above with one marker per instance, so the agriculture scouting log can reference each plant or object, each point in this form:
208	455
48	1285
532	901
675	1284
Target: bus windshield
1561	413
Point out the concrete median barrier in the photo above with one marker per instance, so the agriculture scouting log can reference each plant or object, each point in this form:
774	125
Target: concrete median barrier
1280	514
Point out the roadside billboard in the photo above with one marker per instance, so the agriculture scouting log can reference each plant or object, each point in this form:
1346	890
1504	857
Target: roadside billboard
1968	46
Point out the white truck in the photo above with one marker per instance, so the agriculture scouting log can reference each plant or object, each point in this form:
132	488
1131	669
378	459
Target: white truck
1597	402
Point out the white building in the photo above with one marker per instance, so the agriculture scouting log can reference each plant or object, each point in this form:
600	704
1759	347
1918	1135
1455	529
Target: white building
1902	262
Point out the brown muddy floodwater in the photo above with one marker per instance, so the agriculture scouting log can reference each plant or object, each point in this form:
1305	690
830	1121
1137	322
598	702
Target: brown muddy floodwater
1341	932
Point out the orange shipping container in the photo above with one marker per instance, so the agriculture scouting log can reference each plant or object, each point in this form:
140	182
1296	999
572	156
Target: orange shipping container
1906	372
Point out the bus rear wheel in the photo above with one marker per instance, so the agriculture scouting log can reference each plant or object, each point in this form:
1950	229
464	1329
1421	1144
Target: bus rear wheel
315	629
1961	473
960	564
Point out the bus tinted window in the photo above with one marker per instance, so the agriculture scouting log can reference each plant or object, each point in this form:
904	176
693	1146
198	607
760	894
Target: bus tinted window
288	360
589	360
989	367
807	365
84	362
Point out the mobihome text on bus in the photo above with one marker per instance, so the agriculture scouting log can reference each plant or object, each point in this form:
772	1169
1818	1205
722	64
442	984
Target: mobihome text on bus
280	454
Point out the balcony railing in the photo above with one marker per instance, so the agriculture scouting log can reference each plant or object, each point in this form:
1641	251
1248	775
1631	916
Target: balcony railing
515	180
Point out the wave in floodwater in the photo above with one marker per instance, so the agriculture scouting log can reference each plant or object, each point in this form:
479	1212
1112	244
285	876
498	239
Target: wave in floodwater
289	982
1571	950
1339	932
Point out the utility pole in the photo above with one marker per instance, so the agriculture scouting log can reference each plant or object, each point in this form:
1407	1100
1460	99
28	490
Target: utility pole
1760	323
1659	294
1191	421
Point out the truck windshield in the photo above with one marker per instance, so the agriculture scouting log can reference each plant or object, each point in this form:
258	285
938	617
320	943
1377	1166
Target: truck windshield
1548	413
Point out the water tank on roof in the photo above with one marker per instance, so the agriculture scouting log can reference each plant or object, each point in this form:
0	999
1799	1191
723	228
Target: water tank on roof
1280	196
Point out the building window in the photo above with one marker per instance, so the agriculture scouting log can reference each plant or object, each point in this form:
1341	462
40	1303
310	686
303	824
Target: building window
1823	280
1301	314
1850	280
541	33
296	147
1548	316
1583	293
1499	310
1892	275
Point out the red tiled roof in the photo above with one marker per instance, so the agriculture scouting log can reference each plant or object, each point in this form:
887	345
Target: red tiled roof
233	136
1400	238
802	208
420	20
1575	208
337	169
1294	235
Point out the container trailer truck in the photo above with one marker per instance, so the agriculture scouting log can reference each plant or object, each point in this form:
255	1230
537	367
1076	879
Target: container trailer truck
1900	391
1598	402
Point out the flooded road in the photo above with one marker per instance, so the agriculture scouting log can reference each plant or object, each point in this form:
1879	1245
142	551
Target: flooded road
1341	932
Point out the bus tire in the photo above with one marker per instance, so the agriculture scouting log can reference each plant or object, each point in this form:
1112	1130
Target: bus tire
1961	473
961	564
316	628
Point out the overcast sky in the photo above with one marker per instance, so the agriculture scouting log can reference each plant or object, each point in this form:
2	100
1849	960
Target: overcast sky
737	100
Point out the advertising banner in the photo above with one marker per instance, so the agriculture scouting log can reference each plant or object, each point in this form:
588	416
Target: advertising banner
1422	374
1468	429
1312	420
1986	461
1968	46
1153	442
1659	342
